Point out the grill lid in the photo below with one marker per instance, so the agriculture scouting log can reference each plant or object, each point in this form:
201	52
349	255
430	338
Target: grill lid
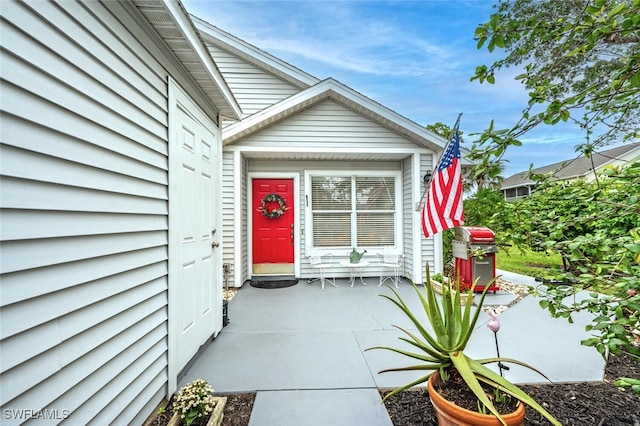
475	234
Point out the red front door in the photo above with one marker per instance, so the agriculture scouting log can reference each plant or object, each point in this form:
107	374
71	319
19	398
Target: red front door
273	241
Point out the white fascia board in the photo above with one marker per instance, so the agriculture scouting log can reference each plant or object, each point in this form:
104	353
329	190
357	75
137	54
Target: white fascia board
319	150
255	55
189	32
520	185
465	152
633	153
330	88
625	156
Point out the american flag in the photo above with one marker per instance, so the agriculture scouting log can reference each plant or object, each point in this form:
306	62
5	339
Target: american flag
443	207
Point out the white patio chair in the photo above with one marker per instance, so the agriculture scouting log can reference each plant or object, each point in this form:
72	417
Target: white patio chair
323	263
390	266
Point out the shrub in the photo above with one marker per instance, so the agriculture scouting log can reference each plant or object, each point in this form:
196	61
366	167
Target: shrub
595	228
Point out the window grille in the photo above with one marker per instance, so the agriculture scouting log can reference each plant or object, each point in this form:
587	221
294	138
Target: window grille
353	211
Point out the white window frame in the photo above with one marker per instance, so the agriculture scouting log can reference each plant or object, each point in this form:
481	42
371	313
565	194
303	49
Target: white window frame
373	250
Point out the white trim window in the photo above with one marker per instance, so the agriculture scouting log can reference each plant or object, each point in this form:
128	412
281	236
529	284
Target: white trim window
360	210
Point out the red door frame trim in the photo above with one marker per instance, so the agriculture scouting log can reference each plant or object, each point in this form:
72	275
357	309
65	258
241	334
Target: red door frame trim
300	208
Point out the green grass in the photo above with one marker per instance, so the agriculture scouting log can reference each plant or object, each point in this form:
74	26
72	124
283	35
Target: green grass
529	263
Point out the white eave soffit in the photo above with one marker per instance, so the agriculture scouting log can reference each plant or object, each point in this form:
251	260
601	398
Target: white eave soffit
172	22
332	89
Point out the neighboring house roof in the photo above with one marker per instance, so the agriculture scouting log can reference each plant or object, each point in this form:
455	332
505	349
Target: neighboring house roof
338	92
572	169
172	23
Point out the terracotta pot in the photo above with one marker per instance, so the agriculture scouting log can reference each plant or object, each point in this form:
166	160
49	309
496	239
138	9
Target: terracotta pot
450	414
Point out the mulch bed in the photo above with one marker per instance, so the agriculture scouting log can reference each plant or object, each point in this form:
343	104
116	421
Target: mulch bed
577	404
238	409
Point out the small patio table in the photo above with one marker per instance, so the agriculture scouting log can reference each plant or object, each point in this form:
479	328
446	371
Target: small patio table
353	269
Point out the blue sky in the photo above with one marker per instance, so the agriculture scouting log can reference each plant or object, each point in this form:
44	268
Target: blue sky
414	57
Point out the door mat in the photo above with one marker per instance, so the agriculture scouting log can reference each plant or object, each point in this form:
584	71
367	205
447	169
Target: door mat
273	284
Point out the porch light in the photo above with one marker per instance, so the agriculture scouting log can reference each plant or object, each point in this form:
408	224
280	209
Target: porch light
427	178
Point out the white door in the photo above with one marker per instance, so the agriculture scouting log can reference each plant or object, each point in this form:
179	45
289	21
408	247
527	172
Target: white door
195	289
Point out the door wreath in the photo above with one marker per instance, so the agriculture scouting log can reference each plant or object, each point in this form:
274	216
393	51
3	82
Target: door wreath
276	212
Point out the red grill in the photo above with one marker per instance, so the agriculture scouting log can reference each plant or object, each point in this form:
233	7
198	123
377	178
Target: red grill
474	252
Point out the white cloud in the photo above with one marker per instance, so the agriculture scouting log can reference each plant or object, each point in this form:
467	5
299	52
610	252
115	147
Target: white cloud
336	34
413	57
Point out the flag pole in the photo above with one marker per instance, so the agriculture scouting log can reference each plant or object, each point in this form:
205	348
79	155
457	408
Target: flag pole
452	132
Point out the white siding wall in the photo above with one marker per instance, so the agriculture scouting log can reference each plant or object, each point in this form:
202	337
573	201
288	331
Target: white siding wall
244	268
84	214
306	271
428	251
234	221
229	227
408	205
328	125
253	88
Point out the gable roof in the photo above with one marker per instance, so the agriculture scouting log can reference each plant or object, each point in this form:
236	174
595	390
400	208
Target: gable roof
171	21
254	55
338	92
312	92
570	169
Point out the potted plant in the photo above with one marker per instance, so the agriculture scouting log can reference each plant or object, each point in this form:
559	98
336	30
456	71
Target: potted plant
438	282
195	404
441	351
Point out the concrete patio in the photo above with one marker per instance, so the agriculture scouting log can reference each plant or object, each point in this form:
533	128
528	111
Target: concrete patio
303	350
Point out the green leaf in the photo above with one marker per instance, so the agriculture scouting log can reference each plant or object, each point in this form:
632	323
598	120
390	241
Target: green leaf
619	313
617	10
492	378
190	417
618	329
627	381
461	363
592	10
491	45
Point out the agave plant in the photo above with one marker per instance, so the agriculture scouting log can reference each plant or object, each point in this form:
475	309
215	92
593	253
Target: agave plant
443	348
